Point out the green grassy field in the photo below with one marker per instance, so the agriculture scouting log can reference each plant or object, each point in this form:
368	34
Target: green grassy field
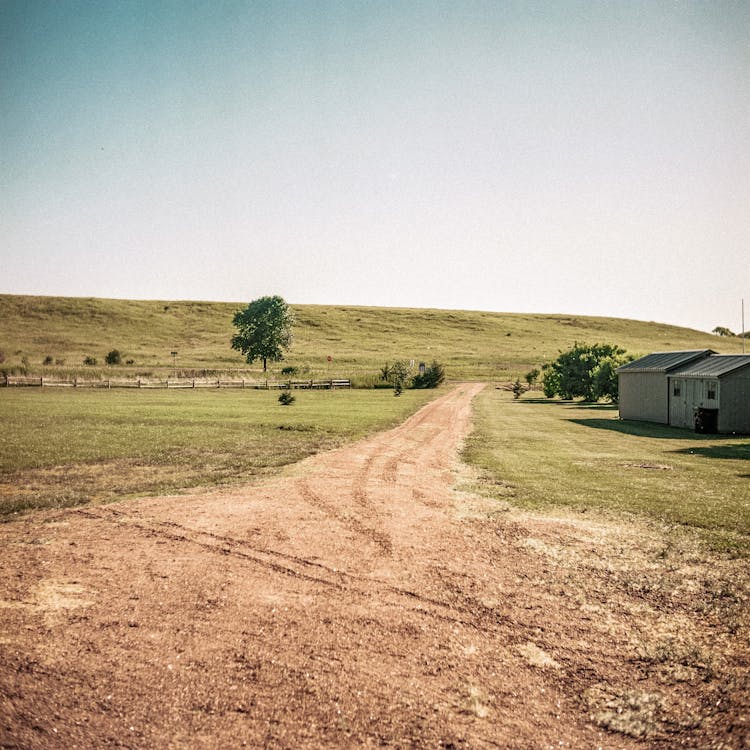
473	345
540	454
70	447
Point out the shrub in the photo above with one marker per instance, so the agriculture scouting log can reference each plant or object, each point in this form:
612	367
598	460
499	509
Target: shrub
531	376
519	388
398	374
113	358
289	370
129	361
586	371
286	398
48	360
89	360
432	377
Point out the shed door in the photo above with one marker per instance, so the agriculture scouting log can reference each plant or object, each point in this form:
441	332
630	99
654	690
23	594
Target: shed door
678	403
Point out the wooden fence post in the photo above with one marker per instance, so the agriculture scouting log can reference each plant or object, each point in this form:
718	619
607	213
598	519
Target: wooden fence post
41	382
75	381
139	382
193	382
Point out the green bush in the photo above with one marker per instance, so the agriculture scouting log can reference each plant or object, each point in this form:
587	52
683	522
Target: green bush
289	370
48	360
286	398
89	360
397	377
519	388
113	358
587	371
531	376
432	377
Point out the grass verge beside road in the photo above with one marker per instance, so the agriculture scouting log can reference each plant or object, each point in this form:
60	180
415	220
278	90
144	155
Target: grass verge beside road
536	454
66	448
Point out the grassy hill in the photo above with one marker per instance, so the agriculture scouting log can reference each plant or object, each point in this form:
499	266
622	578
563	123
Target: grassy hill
475	345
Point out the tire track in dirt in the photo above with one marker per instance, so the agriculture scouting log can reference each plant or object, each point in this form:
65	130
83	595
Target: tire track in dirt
352	584
350	521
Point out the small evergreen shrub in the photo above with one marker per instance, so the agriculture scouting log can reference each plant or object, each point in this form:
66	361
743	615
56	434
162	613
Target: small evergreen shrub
286	398
432	377
113	358
289	370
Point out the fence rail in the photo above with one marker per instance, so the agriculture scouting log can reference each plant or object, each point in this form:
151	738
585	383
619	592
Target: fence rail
42	382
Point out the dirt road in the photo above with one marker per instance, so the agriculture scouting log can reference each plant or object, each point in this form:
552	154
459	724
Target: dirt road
357	601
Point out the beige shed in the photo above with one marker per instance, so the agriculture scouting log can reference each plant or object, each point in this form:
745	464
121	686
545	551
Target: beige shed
712	394
643	386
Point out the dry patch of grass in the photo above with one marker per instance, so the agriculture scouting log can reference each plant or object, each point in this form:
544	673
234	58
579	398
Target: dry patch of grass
550	454
667	613
472	344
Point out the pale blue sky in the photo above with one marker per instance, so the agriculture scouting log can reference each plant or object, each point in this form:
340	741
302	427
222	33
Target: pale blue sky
578	157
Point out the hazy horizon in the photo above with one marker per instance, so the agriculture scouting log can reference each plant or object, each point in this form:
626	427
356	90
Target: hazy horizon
583	158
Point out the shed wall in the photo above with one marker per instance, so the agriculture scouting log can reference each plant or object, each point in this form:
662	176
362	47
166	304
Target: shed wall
734	413
693	393
643	396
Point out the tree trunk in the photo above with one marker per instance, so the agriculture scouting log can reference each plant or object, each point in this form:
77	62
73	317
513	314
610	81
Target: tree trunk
264	364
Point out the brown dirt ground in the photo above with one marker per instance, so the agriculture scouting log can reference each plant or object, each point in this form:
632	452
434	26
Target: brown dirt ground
362	600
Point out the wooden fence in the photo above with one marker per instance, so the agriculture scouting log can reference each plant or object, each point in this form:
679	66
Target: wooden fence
42	382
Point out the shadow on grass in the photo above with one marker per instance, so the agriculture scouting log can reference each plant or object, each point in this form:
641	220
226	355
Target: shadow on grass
569	404
740	452
651	430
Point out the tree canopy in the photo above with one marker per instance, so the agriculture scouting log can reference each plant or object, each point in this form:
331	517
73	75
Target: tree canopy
722	331
264	330
588	371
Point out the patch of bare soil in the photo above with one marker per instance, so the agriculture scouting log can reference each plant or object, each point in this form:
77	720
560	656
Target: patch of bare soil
362	601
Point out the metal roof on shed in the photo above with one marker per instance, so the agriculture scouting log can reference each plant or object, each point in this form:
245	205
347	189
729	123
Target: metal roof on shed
713	367
665	361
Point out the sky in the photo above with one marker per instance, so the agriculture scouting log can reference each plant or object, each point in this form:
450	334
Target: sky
550	157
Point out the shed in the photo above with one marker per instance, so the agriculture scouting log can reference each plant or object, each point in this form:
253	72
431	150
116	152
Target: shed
643	386
715	391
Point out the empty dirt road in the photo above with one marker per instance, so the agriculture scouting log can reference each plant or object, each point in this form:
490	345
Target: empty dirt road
358	601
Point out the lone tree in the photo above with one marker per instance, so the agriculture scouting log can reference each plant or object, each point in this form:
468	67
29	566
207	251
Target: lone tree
264	330
588	371
722	331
